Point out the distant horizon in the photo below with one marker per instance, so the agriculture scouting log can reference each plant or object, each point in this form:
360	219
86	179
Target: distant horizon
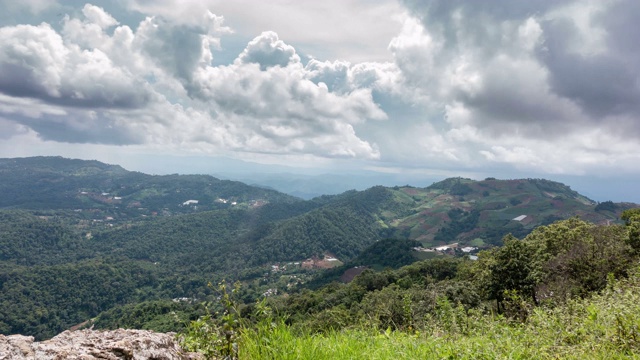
337	183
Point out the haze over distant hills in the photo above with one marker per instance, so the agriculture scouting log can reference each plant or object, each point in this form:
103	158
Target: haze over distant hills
307	182
55	183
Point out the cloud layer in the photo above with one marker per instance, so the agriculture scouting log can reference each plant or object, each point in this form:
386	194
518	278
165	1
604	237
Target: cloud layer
542	86
546	85
155	84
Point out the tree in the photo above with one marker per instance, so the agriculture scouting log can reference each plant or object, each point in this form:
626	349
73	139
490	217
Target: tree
574	257
513	268
606	206
631	218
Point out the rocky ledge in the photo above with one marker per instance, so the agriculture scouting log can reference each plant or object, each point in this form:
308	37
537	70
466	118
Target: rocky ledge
89	344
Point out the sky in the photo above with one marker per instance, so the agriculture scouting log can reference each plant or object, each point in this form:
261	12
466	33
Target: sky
415	89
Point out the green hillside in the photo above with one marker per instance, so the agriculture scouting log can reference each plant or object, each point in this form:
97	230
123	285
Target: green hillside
482	212
91	186
91	220
567	290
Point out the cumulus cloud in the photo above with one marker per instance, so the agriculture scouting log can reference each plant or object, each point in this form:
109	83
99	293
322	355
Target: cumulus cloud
523	83
35	62
180	48
540	85
352	30
603	81
343	77
267	94
98	16
525	61
268	50
155	84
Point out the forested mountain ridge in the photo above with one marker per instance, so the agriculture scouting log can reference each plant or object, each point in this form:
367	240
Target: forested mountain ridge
41	183
454	209
481	212
259	226
90	221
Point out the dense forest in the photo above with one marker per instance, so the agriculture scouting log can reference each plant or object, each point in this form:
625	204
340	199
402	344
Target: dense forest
567	290
83	242
45	183
555	263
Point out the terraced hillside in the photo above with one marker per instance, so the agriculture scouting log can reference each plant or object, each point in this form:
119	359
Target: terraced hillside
481	212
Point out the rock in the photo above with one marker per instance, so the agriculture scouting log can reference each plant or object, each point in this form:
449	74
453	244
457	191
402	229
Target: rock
89	344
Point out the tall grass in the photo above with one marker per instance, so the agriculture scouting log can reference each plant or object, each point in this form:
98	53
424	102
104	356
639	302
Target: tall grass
605	326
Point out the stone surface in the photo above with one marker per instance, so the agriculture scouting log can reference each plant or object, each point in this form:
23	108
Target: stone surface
89	344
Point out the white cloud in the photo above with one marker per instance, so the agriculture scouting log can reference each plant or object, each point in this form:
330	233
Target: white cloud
36	62
98	16
179	48
519	84
540	86
352	30
155	85
279	110
268	50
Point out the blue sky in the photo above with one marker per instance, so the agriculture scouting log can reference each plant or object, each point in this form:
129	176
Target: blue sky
417	89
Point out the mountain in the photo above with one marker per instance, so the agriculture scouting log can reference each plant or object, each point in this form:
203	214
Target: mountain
79	237
479	212
59	183
121	213
308	186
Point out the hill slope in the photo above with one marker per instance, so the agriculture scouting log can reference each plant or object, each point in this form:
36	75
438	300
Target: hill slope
482	212
90	220
59	183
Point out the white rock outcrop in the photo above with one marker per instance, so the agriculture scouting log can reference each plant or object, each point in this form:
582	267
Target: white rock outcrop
90	344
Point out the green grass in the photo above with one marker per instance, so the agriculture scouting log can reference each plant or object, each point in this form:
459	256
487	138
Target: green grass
500	343
606	326
478	242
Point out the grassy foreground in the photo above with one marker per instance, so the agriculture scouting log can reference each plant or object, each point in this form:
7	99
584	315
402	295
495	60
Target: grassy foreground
605	326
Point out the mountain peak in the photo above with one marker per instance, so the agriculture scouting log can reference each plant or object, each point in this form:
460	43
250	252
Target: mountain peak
463	186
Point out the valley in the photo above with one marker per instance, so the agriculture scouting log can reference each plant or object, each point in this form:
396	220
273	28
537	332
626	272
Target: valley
82	238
